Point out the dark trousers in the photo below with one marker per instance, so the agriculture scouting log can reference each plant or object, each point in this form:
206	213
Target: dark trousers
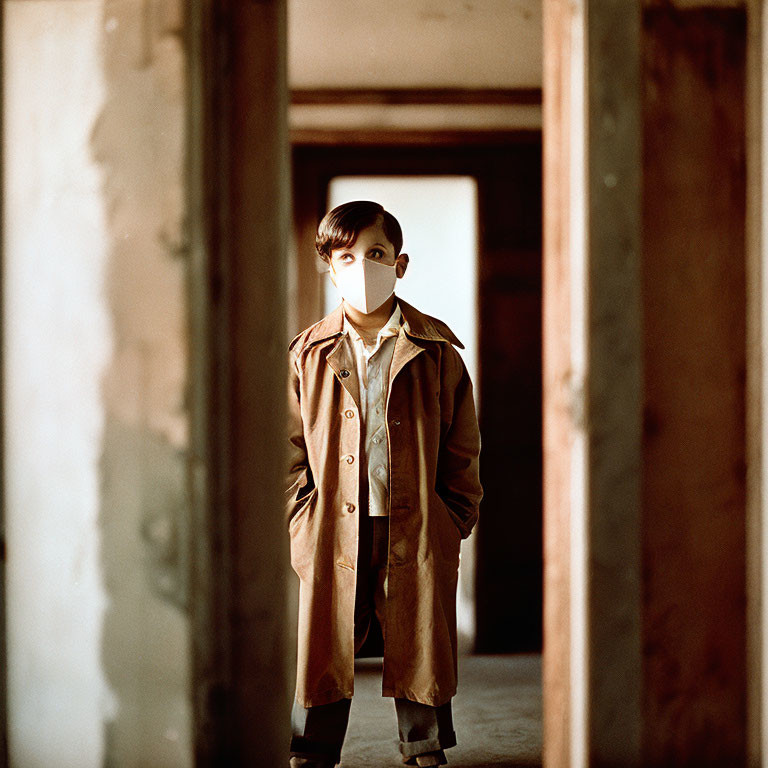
318	732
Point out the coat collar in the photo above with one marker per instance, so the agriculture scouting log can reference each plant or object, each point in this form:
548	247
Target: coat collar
415	324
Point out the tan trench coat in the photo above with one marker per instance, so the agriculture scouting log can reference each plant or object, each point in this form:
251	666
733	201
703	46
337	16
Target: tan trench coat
434	445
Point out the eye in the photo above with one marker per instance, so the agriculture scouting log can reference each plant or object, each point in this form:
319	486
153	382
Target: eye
377	253
346	257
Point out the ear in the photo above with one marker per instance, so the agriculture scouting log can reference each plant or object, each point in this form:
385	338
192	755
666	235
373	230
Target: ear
401	264
331	273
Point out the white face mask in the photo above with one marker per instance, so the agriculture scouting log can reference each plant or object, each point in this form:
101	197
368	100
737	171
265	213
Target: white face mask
366	284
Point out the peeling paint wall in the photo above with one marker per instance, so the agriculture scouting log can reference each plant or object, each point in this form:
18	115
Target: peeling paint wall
138	142
95	375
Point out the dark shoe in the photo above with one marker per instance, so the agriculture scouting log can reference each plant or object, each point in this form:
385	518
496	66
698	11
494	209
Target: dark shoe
427	759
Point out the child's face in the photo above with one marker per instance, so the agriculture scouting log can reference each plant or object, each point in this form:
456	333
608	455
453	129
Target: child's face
371	243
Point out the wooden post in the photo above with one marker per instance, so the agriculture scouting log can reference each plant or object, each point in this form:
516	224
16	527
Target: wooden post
646	519
694	348
239	188
592	376
757	421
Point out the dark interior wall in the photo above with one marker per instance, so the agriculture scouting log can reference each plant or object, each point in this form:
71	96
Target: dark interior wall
694	302
508	173
509	547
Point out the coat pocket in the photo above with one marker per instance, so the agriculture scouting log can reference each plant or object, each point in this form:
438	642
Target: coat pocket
302	506
448	532
301	547
450	515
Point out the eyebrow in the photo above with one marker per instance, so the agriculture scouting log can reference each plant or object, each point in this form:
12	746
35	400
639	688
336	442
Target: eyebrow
348	249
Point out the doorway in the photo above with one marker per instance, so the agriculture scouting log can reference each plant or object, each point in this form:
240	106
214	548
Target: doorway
501	594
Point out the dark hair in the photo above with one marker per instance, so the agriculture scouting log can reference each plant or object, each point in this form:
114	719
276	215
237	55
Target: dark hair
341	226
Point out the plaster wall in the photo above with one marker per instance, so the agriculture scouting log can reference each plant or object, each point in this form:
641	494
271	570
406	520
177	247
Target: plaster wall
95	366
415	44
139	143
57	342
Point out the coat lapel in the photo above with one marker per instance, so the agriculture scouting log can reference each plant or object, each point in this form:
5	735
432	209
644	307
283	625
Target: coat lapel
419	326
405	351
340	359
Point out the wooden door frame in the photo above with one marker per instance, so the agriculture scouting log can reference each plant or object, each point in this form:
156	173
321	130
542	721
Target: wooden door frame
318	161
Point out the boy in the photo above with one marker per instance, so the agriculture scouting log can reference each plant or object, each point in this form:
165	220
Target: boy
383	485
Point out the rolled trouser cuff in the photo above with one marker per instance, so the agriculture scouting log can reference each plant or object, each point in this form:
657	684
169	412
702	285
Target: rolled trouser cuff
444	741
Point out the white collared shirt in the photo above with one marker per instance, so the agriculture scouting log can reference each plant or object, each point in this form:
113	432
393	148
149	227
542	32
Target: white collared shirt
373	363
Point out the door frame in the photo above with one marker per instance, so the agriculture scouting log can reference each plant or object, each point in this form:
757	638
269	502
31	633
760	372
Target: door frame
316	161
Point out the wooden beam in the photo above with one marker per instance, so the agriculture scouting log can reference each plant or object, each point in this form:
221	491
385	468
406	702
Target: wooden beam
399	96
368	137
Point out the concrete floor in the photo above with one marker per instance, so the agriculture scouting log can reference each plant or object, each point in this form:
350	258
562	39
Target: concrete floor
496	715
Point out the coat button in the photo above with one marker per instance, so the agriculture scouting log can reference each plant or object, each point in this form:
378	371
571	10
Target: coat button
349	413
350	507
344	373
349	458
396	422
